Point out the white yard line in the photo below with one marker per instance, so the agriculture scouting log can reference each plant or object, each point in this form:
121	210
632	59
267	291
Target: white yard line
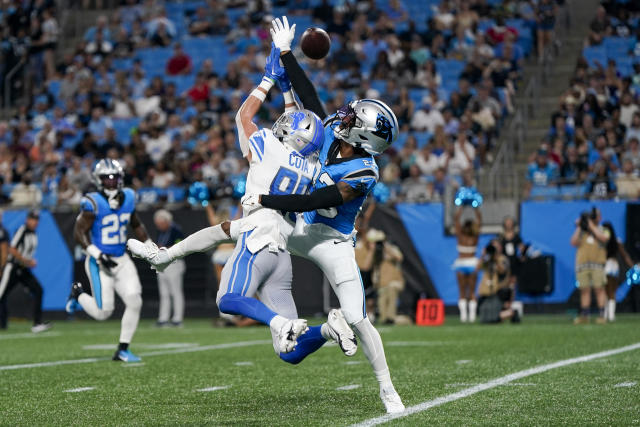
29	335
349	387
424	406
132	365
463	361
151	353
79	389
413	343
243	363
215	388
626	384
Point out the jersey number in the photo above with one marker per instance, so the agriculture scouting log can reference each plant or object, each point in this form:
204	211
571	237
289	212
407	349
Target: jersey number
329	212
288	181
114	229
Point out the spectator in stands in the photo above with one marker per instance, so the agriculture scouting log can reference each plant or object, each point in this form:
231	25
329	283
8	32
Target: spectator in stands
414	188
627	109
633	153
26	193
541	173
603	152
601	185
101	26
498	32
200	24
458	156
99	124
426	161
633	130
426	119
79	176
628	181
599	27
179	63
546	20
573	169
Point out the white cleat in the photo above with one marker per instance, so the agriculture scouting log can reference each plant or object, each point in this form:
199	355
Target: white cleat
288	334
157	257
41	327
391	400
342	333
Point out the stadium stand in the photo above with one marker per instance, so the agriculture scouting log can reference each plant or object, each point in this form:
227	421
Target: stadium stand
591	149
447	68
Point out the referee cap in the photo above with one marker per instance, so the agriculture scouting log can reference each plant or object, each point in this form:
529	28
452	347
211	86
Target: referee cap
34	213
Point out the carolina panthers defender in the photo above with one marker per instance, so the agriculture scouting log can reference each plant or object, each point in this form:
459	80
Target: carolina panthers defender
101	230
283	160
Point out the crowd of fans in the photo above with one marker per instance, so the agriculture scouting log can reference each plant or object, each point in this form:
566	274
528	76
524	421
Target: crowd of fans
593	145
157	86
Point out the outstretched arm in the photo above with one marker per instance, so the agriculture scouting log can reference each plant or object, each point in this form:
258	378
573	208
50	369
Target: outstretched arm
282	35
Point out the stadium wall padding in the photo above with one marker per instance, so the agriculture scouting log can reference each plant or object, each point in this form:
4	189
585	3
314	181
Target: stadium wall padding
424	223
54	261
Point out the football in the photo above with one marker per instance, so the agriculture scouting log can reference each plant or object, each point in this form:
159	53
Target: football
315	43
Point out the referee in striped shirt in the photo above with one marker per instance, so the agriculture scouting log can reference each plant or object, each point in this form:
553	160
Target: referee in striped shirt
18	271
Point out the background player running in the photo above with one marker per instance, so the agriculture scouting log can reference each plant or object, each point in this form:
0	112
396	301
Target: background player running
101	230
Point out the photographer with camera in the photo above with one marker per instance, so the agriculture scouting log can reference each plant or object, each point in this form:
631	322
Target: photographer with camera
591	239
496	288
386	275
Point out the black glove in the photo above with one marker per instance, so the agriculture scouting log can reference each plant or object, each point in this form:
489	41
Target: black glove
107	262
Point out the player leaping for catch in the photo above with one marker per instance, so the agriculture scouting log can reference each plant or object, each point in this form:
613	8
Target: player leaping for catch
101	230
282	160
325	234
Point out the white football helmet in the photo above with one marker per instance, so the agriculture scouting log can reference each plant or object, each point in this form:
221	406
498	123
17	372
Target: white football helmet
108	176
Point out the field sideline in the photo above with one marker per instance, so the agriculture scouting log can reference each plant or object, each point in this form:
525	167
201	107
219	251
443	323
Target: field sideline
221	376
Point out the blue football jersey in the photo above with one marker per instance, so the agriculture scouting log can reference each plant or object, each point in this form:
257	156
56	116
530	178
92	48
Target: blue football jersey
360	172
109	230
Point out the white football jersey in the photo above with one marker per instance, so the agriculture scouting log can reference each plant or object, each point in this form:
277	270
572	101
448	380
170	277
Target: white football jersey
274	169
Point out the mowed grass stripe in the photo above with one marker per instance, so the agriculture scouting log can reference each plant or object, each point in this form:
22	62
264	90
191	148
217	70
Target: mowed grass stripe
147	354
421	407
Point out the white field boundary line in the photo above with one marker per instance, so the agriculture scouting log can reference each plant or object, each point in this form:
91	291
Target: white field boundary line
421	407
151	353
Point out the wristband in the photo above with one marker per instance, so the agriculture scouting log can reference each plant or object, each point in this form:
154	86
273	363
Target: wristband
259	94
267	83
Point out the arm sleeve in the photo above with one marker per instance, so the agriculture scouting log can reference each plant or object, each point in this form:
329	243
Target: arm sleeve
302	85
326	197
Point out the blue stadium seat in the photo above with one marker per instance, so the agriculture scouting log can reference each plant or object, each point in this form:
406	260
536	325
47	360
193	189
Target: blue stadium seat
378	85
595	54
451	68
422	138
123	128
572	191
548	192
54	88
416	96
401	140
624	65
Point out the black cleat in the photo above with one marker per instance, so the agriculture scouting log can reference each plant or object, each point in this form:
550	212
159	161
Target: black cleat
72	302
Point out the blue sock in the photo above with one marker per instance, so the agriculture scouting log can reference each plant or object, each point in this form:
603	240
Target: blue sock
309	342
245	306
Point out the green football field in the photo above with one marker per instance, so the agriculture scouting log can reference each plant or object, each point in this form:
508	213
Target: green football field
454	375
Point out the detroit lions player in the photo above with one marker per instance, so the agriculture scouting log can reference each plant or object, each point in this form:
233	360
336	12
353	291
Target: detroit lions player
283	160
101	230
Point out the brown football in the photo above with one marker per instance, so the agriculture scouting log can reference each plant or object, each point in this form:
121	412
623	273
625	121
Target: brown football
315	43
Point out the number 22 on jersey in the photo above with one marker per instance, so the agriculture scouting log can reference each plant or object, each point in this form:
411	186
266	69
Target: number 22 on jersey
114	228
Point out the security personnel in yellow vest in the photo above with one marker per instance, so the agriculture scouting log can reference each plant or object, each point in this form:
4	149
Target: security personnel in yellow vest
591	240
